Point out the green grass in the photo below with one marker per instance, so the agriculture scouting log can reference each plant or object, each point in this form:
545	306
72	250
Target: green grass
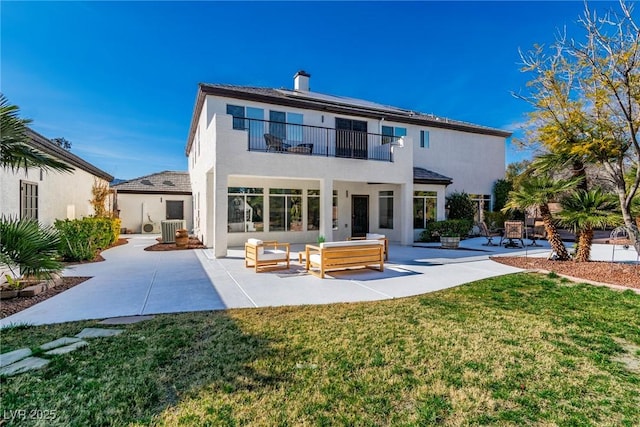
514	350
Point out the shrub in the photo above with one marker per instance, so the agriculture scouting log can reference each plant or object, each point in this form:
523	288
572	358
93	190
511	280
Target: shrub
81	239
495	219
29	248
460	206
447	228
501	190
116	224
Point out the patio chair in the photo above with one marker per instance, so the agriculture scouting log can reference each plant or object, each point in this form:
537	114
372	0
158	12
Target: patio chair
538	231
258	254
513	230
275	144
489	234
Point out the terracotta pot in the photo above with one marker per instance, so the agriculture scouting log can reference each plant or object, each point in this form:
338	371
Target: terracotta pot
182	238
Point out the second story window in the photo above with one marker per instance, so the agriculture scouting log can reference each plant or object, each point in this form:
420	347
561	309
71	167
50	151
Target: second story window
391	134
237	112
424	139
285	125
277	126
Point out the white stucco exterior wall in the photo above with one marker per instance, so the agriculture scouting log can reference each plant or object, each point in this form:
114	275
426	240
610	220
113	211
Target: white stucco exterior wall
136	208
60	195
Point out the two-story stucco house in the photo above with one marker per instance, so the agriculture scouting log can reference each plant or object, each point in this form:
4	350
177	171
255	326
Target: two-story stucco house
50	195
293	165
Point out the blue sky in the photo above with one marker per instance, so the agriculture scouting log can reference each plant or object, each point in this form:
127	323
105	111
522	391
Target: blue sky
119	79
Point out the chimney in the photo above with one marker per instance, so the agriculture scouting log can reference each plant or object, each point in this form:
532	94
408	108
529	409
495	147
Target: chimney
301	81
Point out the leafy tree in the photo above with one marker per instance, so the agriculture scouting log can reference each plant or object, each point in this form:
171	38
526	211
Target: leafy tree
62	143
501	189
583	211
15	153
515	170
550	162
100	191
460	206
586	99
537	192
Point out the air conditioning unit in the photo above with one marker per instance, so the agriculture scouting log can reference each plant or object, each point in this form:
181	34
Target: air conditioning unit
169	228
150	228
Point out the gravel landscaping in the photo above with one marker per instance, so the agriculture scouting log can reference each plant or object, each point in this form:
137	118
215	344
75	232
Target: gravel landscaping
605	272
14	305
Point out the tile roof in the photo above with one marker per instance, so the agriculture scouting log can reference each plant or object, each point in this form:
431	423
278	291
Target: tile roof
331	103
169	182
425	176
44	145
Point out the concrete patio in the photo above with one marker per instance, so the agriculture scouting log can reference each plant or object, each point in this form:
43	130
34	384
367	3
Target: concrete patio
132	281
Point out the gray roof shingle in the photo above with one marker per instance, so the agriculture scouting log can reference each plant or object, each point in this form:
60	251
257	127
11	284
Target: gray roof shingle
165	182
425	176
331	103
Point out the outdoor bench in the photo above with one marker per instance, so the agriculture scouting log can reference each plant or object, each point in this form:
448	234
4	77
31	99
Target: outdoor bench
330	256
371	236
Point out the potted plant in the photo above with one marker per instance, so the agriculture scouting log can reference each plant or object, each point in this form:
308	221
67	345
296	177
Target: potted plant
450	240
450	232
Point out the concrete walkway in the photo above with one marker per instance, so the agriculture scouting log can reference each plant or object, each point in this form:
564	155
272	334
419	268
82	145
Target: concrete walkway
129	282
134	282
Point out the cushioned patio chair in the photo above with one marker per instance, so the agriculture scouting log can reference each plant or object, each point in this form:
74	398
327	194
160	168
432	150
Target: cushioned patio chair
259	254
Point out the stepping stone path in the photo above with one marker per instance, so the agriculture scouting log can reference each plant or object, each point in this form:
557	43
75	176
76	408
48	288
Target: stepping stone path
19	361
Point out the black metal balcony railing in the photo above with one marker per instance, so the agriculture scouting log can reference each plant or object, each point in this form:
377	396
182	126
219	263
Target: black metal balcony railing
289	138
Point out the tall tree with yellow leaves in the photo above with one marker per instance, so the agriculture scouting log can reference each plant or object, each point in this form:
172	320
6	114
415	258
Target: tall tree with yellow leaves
586	99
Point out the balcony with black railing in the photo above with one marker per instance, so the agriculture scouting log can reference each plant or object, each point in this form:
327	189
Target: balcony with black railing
289	138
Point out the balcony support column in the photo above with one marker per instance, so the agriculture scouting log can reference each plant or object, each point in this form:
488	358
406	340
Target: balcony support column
220	213
326	209
406	214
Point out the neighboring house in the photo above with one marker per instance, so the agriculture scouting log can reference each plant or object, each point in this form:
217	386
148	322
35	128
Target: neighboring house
293	165
144	202
49	195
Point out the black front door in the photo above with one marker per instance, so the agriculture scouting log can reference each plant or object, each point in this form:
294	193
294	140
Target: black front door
175	209
359	216
351	138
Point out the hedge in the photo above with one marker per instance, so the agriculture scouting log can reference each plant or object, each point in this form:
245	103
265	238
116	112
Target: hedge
450	227
81	239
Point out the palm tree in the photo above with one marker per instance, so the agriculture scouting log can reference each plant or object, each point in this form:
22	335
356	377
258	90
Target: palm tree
585	210
538	191
24	244
15	153
29	248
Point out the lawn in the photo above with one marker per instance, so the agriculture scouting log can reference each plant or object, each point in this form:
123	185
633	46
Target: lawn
515	350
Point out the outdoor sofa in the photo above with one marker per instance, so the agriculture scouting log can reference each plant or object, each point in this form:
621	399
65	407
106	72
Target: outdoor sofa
331	256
